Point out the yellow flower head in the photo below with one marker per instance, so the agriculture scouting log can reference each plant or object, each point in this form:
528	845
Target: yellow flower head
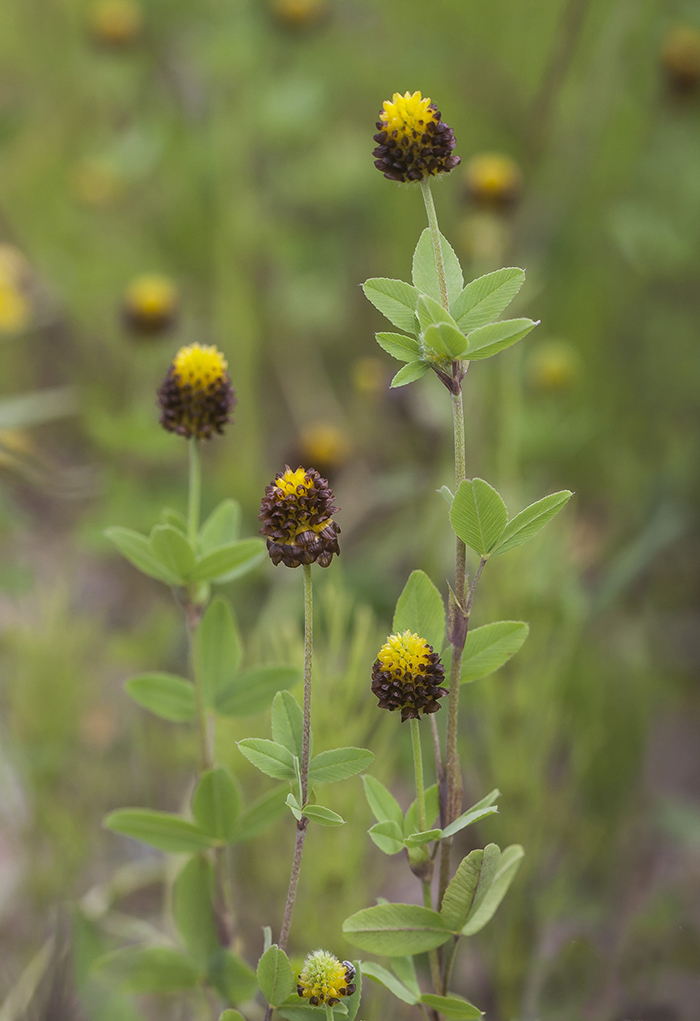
297	515
494	181
554	365
325	979
413	140
299	13
324	444
407	675
196	397
150	304
116	22
680	57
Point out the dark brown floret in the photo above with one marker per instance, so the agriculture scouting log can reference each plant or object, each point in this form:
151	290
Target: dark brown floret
412	693
195	411
299	526
422	155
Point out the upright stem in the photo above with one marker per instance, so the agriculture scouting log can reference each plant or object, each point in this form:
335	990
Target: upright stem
305	746
435	238
195	491
422	826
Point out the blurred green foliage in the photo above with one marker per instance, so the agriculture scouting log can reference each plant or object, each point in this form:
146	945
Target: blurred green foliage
230	151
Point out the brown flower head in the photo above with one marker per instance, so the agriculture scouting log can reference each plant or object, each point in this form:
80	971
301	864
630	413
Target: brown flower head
413	141
325	979
407	675
196	397
297	515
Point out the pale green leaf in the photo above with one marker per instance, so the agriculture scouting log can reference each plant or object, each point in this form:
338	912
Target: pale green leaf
251	691
222	527
435	346
137	550
387	836
216	804
459	895
395	299
396	929
166	695
485	298
492	887
419	839
384	806
172	549
231	1015
452	1006
260	814
389	981
447	493
275	976
225	563
405	349
339	764
218	647
420	609
233	979
288	722
148	969
409	373
478	515
489	340
323	816
192	908
163	830
405	970
487	648
453	340
431	312
269	757
294	808
432	808
425	275
480	810
529	521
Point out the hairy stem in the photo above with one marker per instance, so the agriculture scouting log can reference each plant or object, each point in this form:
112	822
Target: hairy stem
195	491
418	770
435	238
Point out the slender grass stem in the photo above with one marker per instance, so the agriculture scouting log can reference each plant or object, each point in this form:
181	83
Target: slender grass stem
195	491
422	826
435	238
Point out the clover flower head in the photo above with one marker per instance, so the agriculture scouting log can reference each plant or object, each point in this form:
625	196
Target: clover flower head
297	515
150	304
413	141
116	22
407	675
493	180
325	979
196	397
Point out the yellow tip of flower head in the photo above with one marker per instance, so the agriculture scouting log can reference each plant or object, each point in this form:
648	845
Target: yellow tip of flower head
296	512
413	140
407	675
115	22
493	180
150	304
196	397
324	979
299	13
680	56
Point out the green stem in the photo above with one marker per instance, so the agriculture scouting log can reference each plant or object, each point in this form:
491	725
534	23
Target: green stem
418	770
435	238
195	491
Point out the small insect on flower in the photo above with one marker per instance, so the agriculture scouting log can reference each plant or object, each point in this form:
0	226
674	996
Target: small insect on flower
150	304
196	397
493	181
413	140
408	675
297	514
325	979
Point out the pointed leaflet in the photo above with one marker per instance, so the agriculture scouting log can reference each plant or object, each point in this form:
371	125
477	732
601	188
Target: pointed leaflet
485	298
275	976
222	527
269	757
384	806
218	650
409	373
193	912
431	312
489	340
172	549
232	978
388	836
230	561
446	338
396	930
394	299
405	969
405	349
478	811
288	722
163	830
459	895
166	695
425	276
496	876
216	804
323	816
256	818
487	648
529	521
338	764
389	981
478	515
137	550
454	1007
420	609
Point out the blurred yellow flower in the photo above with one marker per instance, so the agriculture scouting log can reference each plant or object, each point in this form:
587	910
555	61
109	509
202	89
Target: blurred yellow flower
95	182
299	13
493	181
115	22
15	274
680	57
324	444
554	365
150	304
369	375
